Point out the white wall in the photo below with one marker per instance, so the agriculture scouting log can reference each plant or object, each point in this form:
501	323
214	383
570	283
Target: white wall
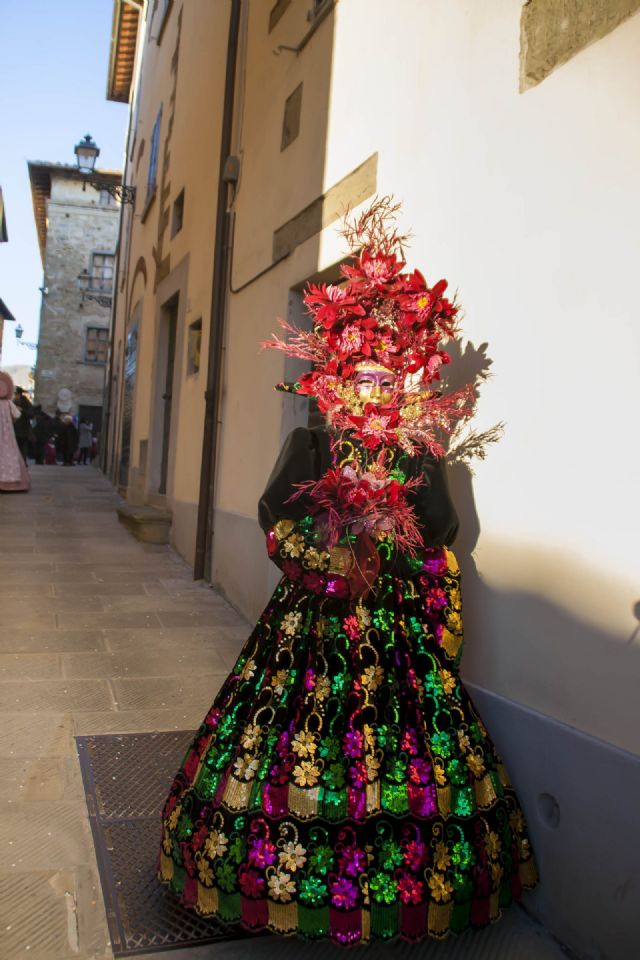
528	204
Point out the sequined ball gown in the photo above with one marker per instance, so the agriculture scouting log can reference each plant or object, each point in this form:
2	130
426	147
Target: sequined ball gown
342	784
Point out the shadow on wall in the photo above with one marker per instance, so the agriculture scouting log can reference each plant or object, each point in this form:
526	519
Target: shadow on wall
579	792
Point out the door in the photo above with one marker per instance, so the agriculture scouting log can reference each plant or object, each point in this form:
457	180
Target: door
170	323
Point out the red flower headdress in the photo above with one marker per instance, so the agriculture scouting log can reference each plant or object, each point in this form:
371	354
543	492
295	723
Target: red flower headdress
385	316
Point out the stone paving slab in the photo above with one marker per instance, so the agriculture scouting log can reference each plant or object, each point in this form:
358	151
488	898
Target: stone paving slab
69	919
91	589
168	662
140	694
43	778
30	666
139	721
21	640
55	696
24	735
88	621
45	835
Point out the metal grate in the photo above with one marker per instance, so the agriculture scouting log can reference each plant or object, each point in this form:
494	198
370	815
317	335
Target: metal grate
126	779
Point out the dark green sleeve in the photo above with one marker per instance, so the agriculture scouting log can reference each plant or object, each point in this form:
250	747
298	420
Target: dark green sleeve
433	504
293	543
300	460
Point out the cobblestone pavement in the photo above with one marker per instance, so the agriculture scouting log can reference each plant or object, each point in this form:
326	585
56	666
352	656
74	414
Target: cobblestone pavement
102	634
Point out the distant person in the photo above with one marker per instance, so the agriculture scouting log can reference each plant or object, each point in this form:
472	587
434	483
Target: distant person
50	452
85	441
58	436
69	440
22	425
42	432
14	475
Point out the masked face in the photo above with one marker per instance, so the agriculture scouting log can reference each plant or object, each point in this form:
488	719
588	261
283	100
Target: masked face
374	384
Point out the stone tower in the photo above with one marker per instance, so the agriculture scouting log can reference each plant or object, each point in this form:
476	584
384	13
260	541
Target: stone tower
77	232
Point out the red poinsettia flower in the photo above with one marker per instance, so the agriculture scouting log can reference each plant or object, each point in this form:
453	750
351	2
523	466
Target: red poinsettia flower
330	303
373	271
354	338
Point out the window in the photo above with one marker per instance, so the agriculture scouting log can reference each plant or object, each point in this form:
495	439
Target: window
291	122
101	272
106	199
193	354
97	345
152	175
177	216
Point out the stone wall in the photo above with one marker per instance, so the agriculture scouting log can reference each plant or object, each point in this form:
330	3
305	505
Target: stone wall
554	31
77	226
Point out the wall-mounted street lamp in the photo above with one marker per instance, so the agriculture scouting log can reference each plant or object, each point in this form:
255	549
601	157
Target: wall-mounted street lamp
23	343
102	298
87	152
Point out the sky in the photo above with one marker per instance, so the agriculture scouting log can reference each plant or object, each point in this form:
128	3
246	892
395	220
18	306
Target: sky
55	59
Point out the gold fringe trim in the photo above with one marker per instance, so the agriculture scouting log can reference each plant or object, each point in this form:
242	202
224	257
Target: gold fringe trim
444	800
450	643
502	775
484	791
452	563
528	873
283	916
373	796
166	867
494	905
237	793
303	803
207	899
365	920
439	918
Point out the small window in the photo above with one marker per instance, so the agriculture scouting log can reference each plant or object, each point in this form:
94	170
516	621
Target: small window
97	345
107	200
195	341
291	121
152	174
101	272
177	215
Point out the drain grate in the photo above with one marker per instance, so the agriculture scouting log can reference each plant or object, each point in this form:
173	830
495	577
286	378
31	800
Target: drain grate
126	779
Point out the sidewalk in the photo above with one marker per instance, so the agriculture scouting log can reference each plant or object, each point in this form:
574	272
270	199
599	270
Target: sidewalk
102	634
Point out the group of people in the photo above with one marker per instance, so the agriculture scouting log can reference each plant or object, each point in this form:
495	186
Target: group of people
26	431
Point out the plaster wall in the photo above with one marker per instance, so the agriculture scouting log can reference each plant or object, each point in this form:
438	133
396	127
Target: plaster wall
274	185
182	74
519	200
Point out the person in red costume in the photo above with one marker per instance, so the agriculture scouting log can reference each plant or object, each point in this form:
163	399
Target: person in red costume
342	785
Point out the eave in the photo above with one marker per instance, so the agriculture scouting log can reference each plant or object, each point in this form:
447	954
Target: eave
122	51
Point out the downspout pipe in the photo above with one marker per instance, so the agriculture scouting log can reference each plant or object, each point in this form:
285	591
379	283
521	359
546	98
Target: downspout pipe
218	305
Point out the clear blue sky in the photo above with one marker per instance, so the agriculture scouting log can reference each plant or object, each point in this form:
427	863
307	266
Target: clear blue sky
54	78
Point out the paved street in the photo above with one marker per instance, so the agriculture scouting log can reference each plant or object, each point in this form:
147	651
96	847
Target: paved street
102	634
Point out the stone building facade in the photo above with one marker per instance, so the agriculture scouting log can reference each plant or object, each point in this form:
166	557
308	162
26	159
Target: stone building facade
77	232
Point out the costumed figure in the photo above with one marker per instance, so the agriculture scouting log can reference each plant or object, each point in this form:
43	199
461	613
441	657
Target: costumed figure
342	784
14	475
